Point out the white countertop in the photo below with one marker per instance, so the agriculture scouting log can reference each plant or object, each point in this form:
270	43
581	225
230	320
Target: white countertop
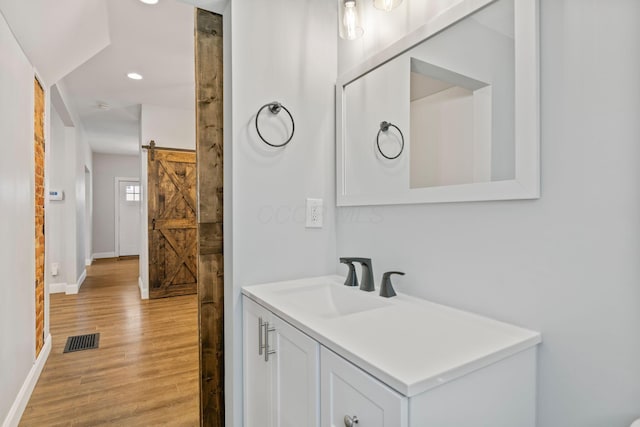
410	344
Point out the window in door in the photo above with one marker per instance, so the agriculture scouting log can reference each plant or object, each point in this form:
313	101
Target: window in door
132	193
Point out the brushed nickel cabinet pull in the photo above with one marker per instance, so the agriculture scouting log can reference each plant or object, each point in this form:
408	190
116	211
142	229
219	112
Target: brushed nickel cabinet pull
267	351
260	344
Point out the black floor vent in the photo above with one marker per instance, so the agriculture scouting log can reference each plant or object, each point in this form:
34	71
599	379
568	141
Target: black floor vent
82	342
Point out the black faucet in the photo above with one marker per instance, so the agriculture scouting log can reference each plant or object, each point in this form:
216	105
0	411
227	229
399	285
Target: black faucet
352	278
386	288
367	283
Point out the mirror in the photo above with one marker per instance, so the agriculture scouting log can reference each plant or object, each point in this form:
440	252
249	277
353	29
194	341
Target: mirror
449	113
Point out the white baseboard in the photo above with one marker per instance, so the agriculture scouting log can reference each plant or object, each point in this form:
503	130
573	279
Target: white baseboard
144	293
22	399
100	255
57	288
75	288
88	262
82	277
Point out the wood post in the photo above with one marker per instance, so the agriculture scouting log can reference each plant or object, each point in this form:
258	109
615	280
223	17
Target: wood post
209	159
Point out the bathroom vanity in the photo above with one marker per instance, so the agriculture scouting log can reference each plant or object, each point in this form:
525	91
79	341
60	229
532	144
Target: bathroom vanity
318	353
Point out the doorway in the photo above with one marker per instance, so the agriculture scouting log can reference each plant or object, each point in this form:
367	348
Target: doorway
127	216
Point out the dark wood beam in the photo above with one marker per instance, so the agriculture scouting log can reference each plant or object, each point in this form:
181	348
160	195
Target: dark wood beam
209	159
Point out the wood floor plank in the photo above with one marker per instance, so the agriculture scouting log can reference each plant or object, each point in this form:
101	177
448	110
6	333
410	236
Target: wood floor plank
146	369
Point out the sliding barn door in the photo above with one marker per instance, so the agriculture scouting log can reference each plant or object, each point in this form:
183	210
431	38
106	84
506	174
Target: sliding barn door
173	233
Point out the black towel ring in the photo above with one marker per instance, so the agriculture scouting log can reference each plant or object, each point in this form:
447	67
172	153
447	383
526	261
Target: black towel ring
384	127
275	107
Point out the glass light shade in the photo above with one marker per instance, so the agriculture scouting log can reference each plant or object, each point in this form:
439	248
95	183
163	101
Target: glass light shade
386	5
349	16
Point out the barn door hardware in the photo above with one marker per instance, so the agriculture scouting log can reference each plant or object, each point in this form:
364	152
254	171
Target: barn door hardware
152	149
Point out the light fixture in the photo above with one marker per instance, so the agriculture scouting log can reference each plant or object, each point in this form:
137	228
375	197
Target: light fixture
134	76
149	1
386	5
349	16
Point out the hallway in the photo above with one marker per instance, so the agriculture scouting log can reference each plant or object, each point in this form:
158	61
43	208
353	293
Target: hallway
146	369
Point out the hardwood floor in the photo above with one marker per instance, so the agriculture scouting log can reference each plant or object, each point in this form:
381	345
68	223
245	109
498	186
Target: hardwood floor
145	372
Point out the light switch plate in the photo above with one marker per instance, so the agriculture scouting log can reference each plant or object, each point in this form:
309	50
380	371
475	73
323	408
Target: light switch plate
314	213
54	268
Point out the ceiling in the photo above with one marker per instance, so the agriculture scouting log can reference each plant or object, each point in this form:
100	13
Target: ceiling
153	40
57	36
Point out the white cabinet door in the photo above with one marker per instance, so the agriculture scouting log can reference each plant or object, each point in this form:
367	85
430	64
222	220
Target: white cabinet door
348	391
281	379
297	384
258	405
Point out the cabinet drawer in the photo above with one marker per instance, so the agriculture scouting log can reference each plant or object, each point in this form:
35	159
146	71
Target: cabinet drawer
347	390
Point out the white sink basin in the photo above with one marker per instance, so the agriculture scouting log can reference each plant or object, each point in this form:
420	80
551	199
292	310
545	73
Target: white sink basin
328	300
410	344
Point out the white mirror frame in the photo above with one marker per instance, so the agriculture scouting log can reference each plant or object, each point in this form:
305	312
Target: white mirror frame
526	184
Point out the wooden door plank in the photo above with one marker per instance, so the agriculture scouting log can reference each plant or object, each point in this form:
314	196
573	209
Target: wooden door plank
177	156
183	253
181	186
175	223
190	178
152	208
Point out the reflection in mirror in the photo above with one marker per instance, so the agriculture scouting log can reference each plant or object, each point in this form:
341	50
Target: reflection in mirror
460	134
450	127
469	121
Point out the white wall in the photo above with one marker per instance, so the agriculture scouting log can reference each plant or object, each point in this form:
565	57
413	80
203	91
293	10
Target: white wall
17	292
170	128
66	233
105	168
84	159
289	55
69	157
58	212
566	264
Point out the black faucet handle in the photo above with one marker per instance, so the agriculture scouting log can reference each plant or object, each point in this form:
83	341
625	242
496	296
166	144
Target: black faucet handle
352	278
386	288
366	261
389	273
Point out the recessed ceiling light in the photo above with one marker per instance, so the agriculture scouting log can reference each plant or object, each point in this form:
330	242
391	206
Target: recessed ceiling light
134	76
149	1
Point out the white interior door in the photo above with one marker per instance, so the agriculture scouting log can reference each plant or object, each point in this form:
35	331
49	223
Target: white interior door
128	218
